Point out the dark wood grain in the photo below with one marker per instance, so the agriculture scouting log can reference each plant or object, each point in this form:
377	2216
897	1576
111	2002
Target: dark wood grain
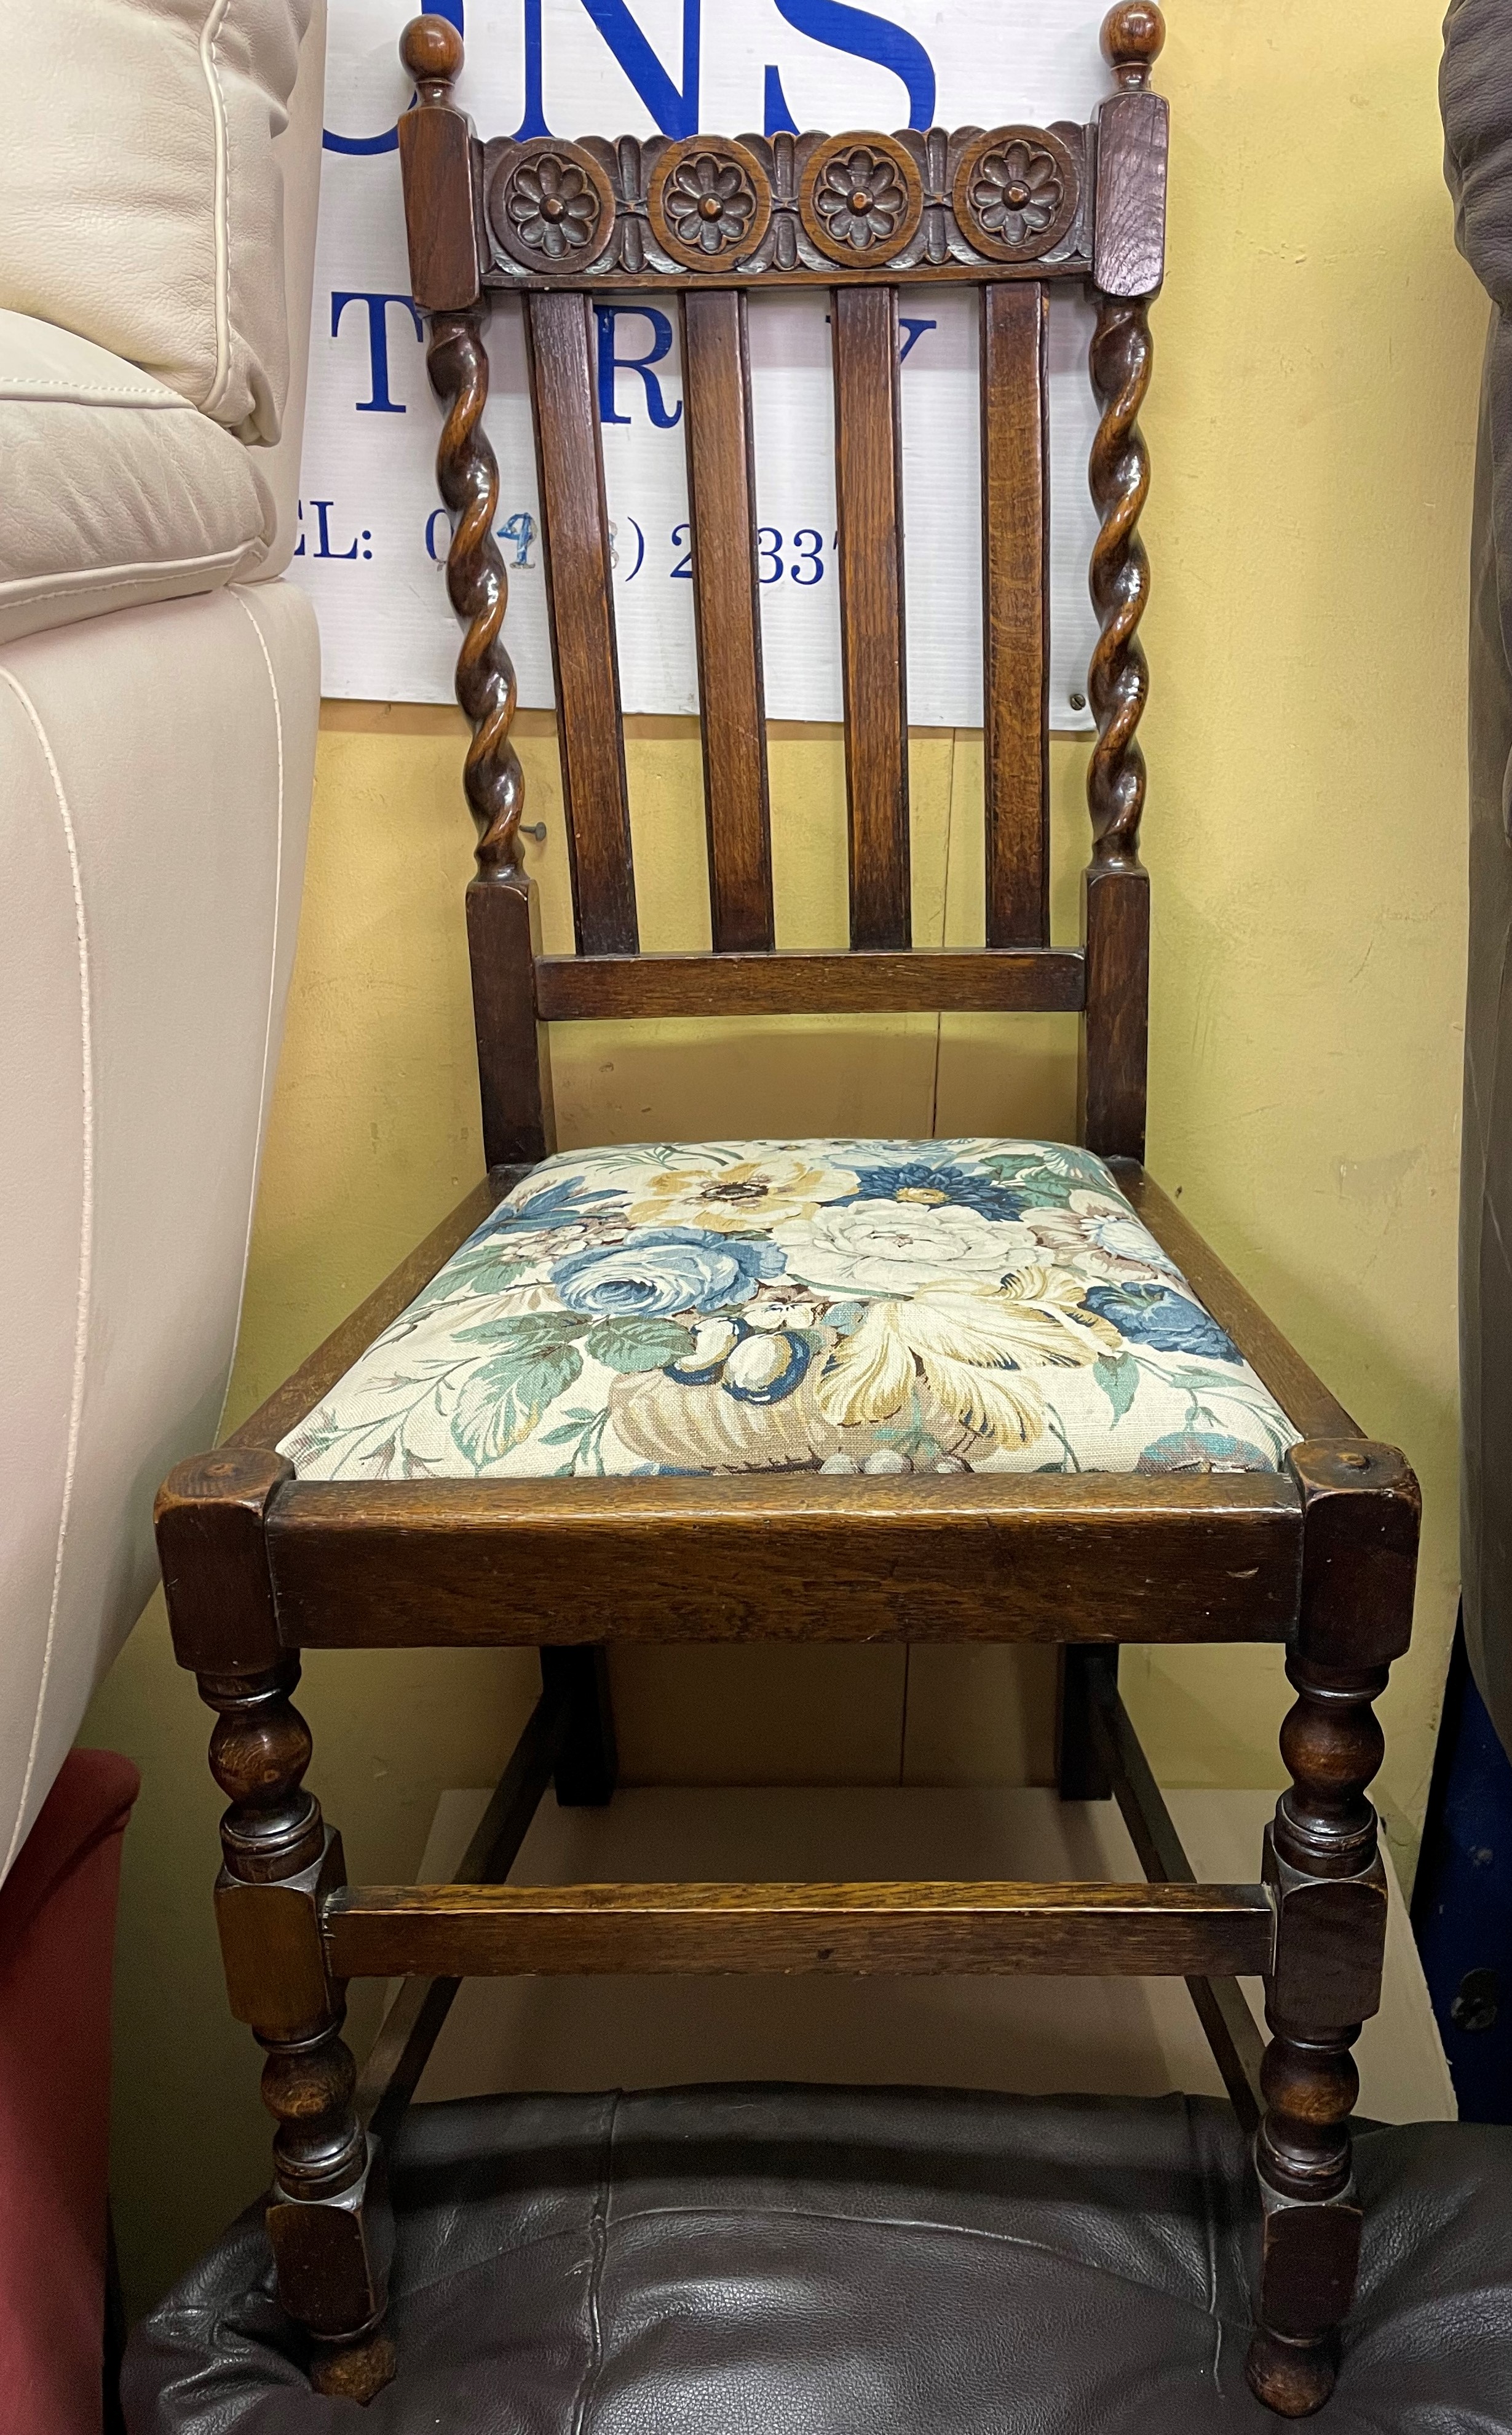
514	1062
300	1393
1133	142
787	220
1015	612
1122	362
895	1930
727	615
964	981
575	540
477	587
1323	1865
415	1563
1301	1394
435	158
1364	1509
1115	896
1360	1513
327	2225
1113	1059
1072	267
868	488
211	1516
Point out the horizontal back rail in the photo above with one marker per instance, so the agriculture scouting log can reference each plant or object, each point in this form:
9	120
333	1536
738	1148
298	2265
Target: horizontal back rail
858	210
523	1562
927	1930
910	981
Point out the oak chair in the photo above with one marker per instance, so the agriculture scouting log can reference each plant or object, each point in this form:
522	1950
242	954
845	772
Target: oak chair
1317	1552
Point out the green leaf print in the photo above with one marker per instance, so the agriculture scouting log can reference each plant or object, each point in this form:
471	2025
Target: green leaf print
632	1344
528	1331
1119	1378
503	1399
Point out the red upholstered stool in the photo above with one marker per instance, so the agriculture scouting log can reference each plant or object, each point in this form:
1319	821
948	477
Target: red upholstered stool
57	1938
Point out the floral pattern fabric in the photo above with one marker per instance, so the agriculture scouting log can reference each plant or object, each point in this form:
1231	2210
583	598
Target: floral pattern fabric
820	1305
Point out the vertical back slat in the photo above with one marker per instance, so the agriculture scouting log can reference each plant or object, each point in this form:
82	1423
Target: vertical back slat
727	611
1016	612
577	552
868	485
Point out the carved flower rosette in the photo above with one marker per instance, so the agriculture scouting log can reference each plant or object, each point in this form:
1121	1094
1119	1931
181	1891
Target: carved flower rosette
1016	193
710	203
551	207
861	199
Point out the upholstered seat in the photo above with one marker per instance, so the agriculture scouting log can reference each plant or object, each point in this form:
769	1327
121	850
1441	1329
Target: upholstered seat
832	1306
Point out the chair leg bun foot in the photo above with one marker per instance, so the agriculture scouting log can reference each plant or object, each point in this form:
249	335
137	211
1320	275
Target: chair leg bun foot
355	2371
1291	2378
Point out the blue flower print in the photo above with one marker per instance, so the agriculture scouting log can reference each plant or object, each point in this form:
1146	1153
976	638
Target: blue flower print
660	1269
1203	1450
557	1205
1167	1321
934	1185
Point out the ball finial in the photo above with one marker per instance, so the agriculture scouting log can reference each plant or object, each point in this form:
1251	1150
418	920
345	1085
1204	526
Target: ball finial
431	49
1133	39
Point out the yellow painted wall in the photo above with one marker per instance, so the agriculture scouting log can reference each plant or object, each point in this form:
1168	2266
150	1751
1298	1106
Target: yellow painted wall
1311	428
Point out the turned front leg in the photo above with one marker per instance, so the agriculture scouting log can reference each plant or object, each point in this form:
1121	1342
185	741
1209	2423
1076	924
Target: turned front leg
328	2221
1323	1864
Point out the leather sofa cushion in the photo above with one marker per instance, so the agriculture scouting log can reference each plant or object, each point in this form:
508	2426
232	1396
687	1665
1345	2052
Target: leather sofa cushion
116	490
144	203
834	2261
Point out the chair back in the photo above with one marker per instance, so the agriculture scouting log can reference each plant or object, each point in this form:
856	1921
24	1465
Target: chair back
1011	211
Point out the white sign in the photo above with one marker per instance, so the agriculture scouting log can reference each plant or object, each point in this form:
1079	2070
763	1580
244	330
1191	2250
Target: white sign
374	538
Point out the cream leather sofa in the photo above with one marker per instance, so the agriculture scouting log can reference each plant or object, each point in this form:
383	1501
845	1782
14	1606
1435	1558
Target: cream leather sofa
159	693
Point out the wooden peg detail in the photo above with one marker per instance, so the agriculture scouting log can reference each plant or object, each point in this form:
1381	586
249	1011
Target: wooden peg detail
1133	39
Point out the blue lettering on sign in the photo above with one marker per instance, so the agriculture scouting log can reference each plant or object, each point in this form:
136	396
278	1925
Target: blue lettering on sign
323	549
864	35
521	529
388	140
380	402
915	331
675	109
861	33
663	417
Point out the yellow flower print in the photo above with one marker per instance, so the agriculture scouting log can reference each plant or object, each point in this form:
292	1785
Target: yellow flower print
972	1349
746	1195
